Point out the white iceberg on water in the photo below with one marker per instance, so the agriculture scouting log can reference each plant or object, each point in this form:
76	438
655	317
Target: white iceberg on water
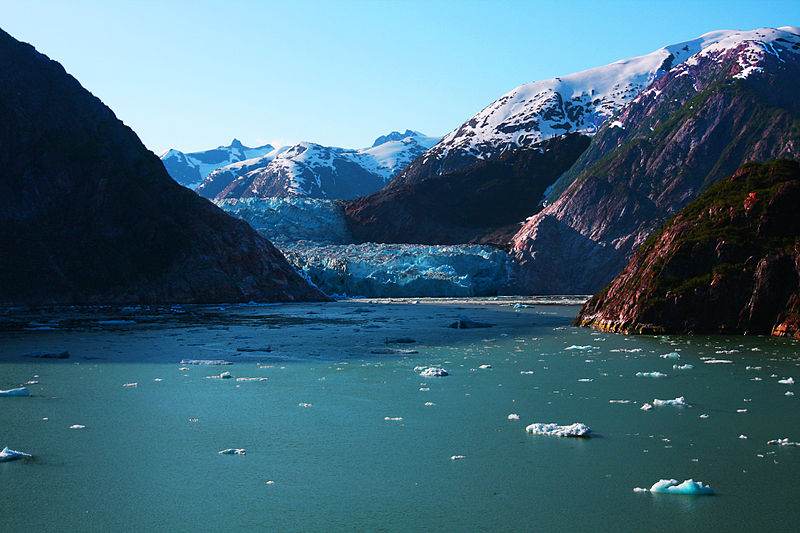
233	451
782	442
19	391
680	401
433	372
10	455
689	486
651	375
574	430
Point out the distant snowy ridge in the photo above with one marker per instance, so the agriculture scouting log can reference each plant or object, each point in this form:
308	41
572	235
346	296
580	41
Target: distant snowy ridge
576	103
190	169
311	170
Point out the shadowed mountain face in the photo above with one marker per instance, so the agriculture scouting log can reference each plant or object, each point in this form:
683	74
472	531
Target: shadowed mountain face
481	204
728	262
89	215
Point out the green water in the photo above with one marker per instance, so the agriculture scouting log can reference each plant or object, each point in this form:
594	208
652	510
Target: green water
142	463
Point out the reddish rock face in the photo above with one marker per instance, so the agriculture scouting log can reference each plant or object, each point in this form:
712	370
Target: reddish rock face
88	215
722	264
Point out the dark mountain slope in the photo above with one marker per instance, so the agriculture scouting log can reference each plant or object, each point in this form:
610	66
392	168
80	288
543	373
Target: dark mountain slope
89	215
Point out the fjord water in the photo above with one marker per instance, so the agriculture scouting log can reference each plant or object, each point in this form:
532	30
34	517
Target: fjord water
355	440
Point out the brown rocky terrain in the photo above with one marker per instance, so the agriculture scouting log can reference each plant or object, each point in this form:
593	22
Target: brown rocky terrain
728	262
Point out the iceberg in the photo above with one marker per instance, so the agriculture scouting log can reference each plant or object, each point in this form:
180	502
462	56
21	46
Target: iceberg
233	451
718	362
689	486
433	372
680	401
574	430
646	406
457	457
651	375
787	381
671	355
582	348
10	455
513	416
205	362
19	391
782	442
683	367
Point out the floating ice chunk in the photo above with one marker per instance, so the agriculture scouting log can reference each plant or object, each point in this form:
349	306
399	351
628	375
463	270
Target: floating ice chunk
640	489
741	410
432	372
513	416
727	352
689	486
526	372
582	348
252	379
233	451
270	482
788	393
19	391
585	380
681	401
646	407
574	430
158	379
619	401
651	374
457	457
787	381
429	404
484	367
224	375
303	405
132	384
393	418
683	367
782	442
704	415
670	355
752	368
10	455
742	436
205	362
77	426
718	362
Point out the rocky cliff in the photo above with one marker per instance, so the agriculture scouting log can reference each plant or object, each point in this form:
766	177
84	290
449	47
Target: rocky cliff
728	262
89	215
733	102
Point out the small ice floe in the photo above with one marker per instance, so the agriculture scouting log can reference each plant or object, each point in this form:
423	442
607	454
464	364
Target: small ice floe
680	401
788	393
77	426
513	416
619	401
233	451
582	348
752	368
393	418
670	355
787	381
689	486
704	415
651	375
131	384
158	379
585	380
224	375
727	352
741	410
526	372
782	442
743	436
718	362
433	372
429	404
573	430
32	382
683	367
303	405
640	489
756	379
484	367
19	391
252	379
205	362
457	457
11	455
646	406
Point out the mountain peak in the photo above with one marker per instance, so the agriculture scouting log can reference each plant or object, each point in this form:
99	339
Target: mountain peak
236	143
394	136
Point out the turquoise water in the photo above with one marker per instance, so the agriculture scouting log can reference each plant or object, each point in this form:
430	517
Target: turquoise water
317	428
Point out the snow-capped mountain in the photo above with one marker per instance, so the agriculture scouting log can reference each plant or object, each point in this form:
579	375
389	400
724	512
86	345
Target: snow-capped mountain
314	171
190	169
733	102
576	103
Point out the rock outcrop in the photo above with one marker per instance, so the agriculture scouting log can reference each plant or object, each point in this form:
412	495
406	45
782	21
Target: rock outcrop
89	216
728	262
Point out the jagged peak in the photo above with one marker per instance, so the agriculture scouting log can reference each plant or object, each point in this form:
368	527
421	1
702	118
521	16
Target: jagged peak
395	136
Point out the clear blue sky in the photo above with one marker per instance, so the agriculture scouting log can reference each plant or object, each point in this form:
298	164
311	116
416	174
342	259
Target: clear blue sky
194	74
